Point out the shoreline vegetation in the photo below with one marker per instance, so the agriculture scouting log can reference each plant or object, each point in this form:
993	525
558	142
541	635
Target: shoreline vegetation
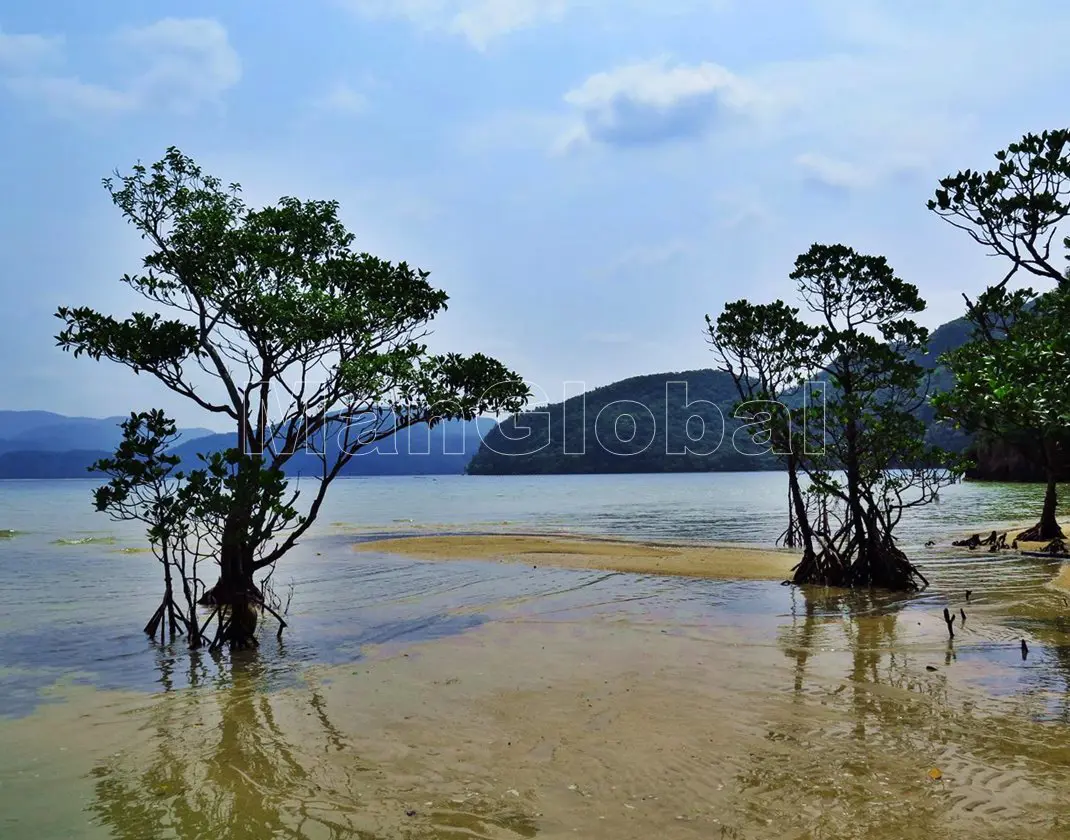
836	385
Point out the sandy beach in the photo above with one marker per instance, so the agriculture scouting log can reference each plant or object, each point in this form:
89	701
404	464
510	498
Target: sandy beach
574	552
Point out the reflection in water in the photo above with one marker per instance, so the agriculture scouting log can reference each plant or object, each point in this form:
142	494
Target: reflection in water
221	765
228	759
846	720
868	725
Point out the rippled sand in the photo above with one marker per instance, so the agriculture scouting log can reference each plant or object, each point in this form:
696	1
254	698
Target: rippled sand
823	727
772	712
721	562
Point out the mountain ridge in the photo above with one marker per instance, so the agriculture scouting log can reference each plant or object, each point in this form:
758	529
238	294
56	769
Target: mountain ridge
548	439
444	450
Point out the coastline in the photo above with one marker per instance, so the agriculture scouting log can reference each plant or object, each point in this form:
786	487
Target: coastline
723	562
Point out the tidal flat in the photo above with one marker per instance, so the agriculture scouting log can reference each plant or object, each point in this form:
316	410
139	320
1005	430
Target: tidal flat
416	698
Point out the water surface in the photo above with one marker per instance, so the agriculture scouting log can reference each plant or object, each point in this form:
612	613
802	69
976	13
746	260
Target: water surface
75	588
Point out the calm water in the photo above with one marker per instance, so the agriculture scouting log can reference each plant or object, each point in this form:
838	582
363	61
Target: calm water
75	589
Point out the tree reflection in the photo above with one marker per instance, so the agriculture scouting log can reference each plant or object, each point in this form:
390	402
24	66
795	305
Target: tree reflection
219	763
842	757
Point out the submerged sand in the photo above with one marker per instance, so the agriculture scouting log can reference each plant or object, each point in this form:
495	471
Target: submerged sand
822	728
1061	578
828	717
573	552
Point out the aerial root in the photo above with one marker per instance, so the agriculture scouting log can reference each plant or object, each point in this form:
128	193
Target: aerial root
1038	533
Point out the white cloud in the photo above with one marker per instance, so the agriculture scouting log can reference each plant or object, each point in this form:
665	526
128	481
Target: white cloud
835	172
653	101
894	92
889	102
26	53
176	64
481	21
69	94
342	98
478	21
188	62
651	83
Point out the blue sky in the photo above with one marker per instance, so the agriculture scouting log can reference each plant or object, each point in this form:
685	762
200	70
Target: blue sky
586	178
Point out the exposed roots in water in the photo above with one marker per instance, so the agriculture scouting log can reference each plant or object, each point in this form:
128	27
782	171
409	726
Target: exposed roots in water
236	610
170	621
870	564
995	542
1042	532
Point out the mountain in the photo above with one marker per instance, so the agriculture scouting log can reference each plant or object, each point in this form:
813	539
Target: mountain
44	431
30	464
35	447
667	422
664	422
645	424
444	450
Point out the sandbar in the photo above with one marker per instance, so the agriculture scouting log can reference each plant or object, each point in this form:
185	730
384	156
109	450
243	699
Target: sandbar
576	552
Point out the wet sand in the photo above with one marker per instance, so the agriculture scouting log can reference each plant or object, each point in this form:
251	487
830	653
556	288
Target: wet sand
820	728
573	552
831	715
1061	579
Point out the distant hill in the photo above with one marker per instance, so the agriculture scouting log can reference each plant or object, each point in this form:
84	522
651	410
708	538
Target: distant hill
30	464
44	431
665	422
637	425
444	450
39	450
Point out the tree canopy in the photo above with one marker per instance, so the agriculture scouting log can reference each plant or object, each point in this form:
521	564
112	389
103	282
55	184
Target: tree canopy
1010	380
272	318
862	446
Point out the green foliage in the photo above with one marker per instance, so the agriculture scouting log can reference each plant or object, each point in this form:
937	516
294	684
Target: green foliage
769	353
867	347
864	345
280	324
143	479
276	295
1014	209
765	347
1010	381
145	486
143	342
177	505
1016	381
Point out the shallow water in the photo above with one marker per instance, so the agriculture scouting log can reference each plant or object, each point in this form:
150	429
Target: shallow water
266	747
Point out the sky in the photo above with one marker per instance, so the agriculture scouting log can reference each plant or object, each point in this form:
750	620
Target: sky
585	178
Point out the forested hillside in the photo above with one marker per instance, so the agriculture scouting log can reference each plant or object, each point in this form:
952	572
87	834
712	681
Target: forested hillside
641	424
666	422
